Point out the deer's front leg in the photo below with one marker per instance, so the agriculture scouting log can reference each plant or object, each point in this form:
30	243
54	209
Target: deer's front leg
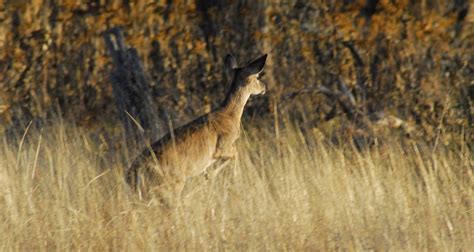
225	151
225	148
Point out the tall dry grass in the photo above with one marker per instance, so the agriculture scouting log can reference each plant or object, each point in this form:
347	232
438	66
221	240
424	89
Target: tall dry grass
287	191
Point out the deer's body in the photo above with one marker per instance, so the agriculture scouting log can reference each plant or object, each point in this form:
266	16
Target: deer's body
189	150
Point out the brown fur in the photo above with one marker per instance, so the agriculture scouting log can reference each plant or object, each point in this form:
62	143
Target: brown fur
189	150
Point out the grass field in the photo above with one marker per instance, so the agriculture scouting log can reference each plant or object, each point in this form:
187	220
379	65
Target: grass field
287	191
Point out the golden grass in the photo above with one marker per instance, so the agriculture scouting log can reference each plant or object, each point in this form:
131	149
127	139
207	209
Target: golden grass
55	193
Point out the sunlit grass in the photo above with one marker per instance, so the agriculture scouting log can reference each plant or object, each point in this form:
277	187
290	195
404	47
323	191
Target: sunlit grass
282	193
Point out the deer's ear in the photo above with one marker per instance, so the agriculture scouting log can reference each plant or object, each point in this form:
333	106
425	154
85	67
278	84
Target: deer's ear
256	66
230	64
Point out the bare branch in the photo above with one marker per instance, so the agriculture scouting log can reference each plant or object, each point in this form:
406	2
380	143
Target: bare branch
360	74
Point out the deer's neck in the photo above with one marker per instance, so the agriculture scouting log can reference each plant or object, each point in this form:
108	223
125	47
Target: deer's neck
233	106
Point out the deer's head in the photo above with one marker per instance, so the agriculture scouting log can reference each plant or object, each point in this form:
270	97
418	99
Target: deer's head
246	78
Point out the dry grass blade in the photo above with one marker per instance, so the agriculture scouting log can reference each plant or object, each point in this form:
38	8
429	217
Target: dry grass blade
22	141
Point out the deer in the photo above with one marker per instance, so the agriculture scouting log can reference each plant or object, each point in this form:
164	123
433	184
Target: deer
163	167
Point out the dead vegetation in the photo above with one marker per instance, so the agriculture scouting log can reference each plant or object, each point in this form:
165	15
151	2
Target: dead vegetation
364	141
282	194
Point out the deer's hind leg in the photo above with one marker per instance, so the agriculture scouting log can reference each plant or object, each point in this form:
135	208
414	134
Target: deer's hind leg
169	193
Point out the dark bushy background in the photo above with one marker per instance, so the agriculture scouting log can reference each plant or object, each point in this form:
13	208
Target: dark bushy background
416	59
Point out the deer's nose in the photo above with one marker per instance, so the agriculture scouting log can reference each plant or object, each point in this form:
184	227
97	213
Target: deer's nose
264	87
